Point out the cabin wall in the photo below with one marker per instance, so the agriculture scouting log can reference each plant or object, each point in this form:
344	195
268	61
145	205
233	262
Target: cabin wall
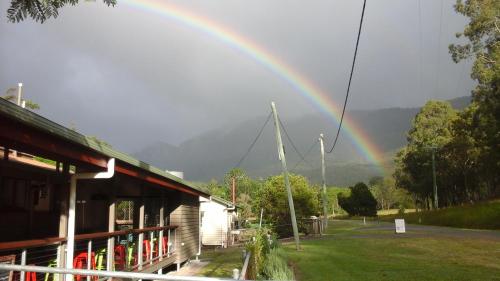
185	214
214	225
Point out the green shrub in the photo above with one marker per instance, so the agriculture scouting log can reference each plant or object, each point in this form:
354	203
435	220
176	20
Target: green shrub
267	261
273	199
360	202
276	267
259	250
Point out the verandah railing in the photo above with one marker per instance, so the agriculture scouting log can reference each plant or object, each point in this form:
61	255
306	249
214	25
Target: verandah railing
133	250
110	274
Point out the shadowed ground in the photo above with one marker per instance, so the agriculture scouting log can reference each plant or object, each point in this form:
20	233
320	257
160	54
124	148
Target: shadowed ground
221	262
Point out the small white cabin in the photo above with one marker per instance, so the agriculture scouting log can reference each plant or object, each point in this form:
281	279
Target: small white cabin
218	219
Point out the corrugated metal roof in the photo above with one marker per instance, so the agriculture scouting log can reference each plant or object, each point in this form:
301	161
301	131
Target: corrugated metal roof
37	121
223	201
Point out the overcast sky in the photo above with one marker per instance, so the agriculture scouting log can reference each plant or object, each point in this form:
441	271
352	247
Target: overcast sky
133	78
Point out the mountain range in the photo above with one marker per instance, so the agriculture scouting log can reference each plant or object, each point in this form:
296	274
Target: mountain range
211	154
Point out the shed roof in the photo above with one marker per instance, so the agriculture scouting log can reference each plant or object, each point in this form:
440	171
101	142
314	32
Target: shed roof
31	119
221	201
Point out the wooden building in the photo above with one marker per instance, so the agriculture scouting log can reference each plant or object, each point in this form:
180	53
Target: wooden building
72	201
218	219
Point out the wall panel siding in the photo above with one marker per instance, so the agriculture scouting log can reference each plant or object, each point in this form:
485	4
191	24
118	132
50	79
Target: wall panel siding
186	216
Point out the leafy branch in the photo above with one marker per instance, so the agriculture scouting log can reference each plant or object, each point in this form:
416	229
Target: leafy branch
40	10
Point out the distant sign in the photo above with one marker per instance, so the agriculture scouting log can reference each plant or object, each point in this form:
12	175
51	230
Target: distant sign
400	225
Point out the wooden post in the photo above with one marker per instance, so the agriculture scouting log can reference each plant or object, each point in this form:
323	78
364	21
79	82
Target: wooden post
161	232
71	227
63	225
141	235
323	175
110	256
281	153
234	191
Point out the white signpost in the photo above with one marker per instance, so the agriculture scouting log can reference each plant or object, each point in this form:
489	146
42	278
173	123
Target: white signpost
400	225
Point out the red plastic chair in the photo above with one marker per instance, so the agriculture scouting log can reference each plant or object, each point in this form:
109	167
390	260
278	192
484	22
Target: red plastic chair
146	251
80	262
164	246
31	276
120	257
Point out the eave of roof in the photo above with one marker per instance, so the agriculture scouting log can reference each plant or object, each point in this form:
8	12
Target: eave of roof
224	202
41	123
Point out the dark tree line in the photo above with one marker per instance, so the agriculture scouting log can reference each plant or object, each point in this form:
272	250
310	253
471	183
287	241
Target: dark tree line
467	142
360	201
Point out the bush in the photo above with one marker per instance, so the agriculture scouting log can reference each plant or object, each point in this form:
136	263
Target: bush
259	250
273	199
360	202
267	261
276	267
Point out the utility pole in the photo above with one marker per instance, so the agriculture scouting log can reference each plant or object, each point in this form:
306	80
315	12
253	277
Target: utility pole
234	191
433	149
323	171
261	213
281	154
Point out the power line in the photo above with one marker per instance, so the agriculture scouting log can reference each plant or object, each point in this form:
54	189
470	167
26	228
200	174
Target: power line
350	77
254	141
436	86
291	142
459	78
420	41
305	155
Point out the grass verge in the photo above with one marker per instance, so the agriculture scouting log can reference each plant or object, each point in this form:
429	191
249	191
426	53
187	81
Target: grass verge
484	215
352	252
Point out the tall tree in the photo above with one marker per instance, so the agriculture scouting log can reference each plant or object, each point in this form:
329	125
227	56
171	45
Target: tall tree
483	35
40	10
360	202
11	95
432	127
218	190
385	192
273	199
461	165
244	184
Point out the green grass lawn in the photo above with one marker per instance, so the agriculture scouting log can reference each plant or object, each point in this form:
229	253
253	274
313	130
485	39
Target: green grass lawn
222	262
484	215
352	252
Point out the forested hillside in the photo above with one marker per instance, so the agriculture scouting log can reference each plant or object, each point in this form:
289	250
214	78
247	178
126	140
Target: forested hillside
212	154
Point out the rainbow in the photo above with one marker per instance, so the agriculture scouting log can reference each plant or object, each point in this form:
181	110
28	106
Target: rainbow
292	77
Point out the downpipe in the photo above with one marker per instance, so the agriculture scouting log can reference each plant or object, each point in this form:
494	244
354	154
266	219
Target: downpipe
72	206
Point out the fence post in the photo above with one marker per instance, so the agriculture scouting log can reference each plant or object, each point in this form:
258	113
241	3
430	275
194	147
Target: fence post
169	243
243	273
160	245
141	235
23	262
236	273
89	257
151	246
59	261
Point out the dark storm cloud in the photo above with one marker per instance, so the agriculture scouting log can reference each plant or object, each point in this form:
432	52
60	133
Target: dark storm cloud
133	78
